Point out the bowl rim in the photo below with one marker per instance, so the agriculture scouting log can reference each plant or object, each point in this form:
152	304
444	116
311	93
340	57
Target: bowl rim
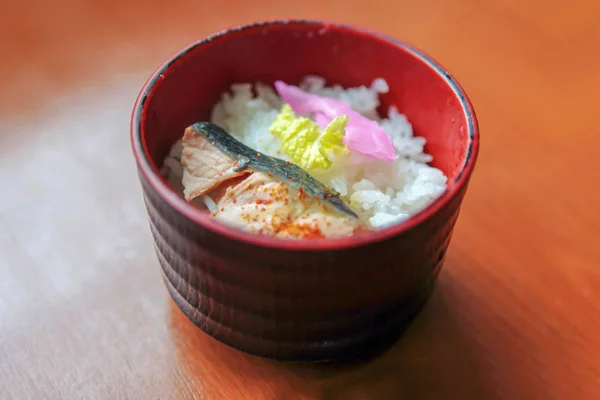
202	219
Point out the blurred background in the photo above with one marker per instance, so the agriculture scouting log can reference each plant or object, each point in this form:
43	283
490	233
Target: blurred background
83	313
493	46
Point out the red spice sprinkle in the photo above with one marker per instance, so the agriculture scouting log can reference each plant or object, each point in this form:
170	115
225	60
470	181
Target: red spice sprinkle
270	174
263	209
264	201
287	228
234	201
220	173
258	154
289	163
222	209
301	194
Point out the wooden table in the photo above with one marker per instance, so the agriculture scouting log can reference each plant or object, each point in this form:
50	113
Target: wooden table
83	312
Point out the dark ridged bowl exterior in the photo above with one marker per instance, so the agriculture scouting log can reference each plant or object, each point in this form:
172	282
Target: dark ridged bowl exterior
293	303
289	306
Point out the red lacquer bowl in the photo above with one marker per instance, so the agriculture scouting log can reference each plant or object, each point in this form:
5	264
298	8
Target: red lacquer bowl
310	300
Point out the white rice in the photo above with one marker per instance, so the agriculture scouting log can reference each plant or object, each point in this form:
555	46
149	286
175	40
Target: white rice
382	193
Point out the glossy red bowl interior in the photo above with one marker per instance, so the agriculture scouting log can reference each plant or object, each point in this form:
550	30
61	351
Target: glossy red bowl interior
318	299
185	89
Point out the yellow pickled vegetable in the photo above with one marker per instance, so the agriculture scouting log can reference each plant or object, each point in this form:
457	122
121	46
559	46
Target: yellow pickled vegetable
304	143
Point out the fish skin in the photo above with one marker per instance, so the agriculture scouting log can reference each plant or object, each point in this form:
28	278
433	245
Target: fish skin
248	158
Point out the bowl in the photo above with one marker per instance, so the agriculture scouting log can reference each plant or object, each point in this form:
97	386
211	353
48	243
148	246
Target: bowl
301	300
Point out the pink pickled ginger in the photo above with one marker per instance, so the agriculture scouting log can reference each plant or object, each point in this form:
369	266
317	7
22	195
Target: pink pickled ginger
363	135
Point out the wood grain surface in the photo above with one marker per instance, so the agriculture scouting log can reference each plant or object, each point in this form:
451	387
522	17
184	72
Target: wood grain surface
83	311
